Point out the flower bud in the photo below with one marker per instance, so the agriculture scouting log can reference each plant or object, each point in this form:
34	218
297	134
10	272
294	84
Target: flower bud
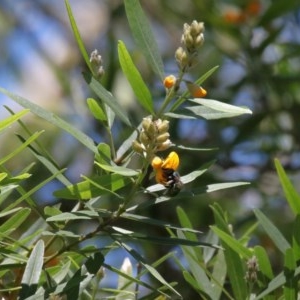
144	139
169	81
164	146
162	137
146	123
137	147
163	126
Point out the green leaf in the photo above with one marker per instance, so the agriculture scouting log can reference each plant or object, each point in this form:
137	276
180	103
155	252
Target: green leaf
213	109
33	271
53	119
135	79
11	119
196	266
78	37
52	211
71	216
86	190
276	283
151	269
104	154
155	222
124	233
234	262
106	97
234	244
21	148
290	192
272	231
143	36
15	221
96	109
291	283
296	238
118	170
263	262
219	275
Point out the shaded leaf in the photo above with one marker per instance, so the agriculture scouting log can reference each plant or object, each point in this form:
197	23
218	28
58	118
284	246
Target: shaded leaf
290	192
53	119
106	97
272	231
233	260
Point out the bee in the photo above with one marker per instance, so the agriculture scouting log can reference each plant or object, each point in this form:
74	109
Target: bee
166	173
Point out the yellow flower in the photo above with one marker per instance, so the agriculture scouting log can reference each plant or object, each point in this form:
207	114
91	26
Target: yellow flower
165	168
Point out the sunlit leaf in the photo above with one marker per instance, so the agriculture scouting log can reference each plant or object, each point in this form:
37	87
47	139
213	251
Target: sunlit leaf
234	244
135	79
33	271
77	36
11	119
96	109
143	35
84	190
290	192
118	170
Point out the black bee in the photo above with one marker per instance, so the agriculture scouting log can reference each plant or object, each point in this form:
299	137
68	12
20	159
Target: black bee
173	183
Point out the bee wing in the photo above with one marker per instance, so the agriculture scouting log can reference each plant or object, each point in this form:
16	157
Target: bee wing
171	162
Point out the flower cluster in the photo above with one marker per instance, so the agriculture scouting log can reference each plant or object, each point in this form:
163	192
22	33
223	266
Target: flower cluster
96	64
252	269
192	39
153	137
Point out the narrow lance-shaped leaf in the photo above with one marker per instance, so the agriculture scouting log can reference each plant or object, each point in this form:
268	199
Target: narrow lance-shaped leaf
290	192
77	36
106	97
272	231
33	271
143	35
291	284
135	79
11	119
52	118
234	262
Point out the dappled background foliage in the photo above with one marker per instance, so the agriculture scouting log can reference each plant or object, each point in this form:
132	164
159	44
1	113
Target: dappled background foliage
255	43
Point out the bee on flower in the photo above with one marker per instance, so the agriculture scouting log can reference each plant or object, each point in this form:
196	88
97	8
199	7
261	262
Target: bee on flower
166	174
